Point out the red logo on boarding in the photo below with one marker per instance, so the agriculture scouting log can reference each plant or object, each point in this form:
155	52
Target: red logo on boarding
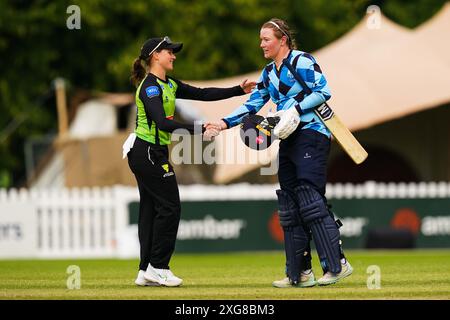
406	218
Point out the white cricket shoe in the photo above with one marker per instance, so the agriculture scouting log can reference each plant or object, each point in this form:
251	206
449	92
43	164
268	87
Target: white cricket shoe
347	270
141	281
283	283
164	277
307	279
330	278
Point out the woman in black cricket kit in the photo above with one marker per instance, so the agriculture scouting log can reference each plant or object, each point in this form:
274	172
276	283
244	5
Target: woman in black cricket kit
147	150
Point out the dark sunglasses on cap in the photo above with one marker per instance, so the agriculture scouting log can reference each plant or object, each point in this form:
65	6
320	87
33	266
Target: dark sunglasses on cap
166	39
153	44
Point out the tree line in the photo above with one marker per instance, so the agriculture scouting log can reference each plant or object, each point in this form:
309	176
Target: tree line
221	38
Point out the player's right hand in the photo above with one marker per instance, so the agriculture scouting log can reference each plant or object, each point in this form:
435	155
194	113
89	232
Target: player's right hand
210	133
217	125
289	121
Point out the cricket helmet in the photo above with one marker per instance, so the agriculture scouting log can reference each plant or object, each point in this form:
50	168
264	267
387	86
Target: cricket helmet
257	132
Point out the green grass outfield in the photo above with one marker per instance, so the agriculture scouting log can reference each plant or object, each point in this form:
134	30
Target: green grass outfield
418	274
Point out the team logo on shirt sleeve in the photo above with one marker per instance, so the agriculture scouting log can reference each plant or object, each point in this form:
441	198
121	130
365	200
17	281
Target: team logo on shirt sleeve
152	91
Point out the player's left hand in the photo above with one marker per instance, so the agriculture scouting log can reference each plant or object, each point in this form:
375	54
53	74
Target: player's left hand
248	86
289	121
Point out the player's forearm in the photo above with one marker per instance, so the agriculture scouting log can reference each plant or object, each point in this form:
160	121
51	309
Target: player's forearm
170	126
312	100
252	106
213	94
158	116
208	94
235	117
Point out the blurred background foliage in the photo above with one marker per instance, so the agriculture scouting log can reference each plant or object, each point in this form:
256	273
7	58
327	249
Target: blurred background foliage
221	39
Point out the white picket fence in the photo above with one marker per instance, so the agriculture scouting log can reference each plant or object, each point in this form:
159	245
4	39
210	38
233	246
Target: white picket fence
70	223
89	222
77	223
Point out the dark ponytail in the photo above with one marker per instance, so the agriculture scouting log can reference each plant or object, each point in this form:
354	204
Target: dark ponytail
137	72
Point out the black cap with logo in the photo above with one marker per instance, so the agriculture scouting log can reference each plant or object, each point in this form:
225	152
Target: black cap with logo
153	44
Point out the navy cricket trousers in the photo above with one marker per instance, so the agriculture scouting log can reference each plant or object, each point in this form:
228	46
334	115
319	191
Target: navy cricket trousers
303	158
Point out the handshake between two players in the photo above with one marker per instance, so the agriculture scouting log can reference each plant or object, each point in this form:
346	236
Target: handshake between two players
258	132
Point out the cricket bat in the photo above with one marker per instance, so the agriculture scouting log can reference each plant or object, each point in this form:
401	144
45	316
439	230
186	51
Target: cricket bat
341	133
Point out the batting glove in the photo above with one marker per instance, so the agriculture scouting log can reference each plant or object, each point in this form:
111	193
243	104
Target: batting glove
289	121
275	114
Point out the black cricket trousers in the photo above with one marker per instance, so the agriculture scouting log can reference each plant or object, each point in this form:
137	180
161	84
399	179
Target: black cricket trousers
159	207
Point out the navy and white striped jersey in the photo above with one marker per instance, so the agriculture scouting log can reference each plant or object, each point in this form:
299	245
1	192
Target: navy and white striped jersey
286	92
